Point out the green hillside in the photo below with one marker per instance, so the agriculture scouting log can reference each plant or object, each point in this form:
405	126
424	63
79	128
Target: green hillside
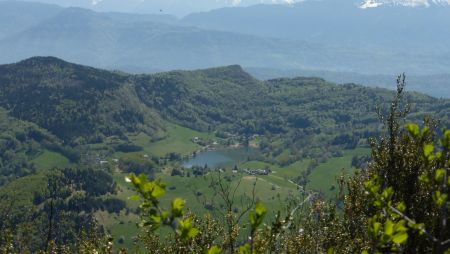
73	102
88	110
75	121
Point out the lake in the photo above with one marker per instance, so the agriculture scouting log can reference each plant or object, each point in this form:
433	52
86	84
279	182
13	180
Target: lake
221	158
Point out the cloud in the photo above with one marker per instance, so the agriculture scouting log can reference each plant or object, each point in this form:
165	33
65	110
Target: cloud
236	2
95	2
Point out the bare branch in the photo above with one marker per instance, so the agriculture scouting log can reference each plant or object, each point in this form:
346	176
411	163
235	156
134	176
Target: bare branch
431	237
250	205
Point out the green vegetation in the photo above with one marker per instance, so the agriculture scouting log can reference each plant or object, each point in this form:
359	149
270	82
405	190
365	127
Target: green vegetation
20	143
87	129
323	177
49	160
376	219
178	139
55	206
77	104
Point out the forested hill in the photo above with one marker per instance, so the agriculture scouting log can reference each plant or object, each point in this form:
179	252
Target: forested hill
83	105
73	101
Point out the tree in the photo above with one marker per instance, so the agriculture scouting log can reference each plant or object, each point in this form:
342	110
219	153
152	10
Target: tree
402	195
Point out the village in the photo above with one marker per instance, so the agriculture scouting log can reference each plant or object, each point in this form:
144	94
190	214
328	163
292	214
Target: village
257	171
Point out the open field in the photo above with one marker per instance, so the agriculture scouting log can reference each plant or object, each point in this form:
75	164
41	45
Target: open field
323	177
49	160
178	140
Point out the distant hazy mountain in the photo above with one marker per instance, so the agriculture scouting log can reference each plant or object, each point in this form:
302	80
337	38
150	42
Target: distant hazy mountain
174	7
17	16
437	85
388	28
183	7
143	43
103	40
151	42
407	3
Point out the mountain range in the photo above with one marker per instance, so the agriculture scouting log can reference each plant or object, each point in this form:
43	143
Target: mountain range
148	42
80	104
413	3
173	7
184	7
393	29
374	41
50	104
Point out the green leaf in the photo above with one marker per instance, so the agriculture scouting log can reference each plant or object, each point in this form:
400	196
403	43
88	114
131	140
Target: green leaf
387	193
424	178
164	215
439	198
401	207
388	227
439	175
400	238
134	198
447	135
400	226
425	131
428	149
158	191
386	239
256	217
186	230
376	227
177	207
377	203
445	141
244	249
154	216
413	129
154	189
260	210
214	250
252	218
193	232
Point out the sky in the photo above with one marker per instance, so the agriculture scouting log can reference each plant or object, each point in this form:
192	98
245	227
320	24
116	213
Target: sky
181	8
173	7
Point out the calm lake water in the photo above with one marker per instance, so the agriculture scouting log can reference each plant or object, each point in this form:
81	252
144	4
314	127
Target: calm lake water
221	158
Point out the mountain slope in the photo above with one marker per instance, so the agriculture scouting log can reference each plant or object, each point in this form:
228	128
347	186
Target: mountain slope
17	16
141	44
338	22
73	101
91	38
20	142
434	85
174	7
105	41
85	105
413	3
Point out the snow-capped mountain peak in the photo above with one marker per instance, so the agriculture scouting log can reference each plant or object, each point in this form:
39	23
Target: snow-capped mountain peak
409	3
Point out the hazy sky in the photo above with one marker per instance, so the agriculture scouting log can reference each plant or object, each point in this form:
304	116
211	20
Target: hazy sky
184	7
175	7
